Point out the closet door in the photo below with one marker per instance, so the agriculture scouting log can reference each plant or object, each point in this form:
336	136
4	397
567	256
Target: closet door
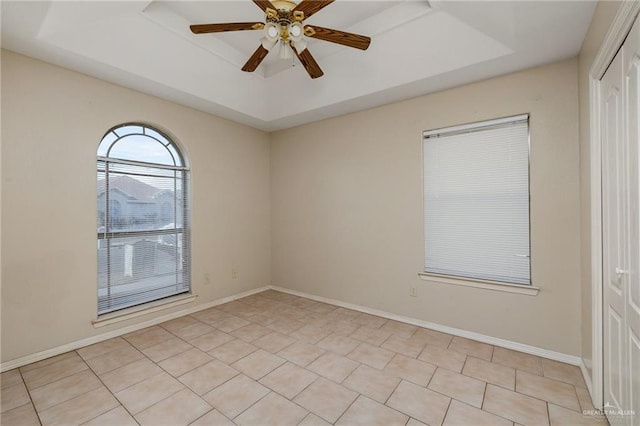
631	69
620	95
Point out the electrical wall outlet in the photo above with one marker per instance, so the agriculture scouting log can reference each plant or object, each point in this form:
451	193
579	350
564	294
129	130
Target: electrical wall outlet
207	279
413	292
234	273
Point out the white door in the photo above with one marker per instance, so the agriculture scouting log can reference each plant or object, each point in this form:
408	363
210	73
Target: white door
620	95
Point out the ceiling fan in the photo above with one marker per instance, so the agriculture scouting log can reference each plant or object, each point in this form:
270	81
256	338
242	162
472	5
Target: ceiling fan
285	27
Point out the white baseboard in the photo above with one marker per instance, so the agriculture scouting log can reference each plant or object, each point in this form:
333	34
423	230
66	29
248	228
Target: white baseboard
28	359
585	375
508	344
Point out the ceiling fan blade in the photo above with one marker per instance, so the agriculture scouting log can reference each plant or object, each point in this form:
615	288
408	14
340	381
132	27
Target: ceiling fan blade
255	59
341	37
309	63
310	7
231	26
264	4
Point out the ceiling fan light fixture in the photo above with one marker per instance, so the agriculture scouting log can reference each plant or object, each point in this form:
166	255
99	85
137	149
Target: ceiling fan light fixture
296	31
299	45
268	44
285	51
272	31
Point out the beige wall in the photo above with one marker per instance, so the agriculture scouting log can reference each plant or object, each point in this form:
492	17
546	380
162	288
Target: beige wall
600	23
52	121
347	209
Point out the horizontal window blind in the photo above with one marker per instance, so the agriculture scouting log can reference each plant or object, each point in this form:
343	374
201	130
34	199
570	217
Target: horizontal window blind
476	201
143	228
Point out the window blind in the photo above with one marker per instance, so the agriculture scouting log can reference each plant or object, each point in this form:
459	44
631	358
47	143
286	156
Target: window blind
143	238
476	201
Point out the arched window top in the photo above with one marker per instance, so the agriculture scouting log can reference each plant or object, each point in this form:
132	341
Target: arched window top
140	143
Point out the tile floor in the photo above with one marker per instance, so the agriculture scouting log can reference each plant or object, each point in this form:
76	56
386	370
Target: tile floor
277	359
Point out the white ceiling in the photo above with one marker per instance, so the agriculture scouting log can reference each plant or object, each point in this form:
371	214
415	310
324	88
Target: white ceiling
417	47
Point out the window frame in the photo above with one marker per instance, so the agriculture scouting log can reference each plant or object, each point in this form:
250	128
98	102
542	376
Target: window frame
181	167
520	288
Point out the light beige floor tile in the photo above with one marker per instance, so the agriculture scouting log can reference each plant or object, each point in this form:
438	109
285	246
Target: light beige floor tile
373	336
202	379
80	409
371	382
64	389
149	391
147	337
310	333
560	416
213	418
111	360
192	331
115	417
68	366
313	420
563	372
10	378
273	342
472	347
316	320
49	361
457	386
208	316
461	414
181	408
272	410
370	321
346	313
445	358
24	415
301	353
371	355
414	422
178	323
263	319
333	366
400	329
102	348
130	374
288	380
365	411
341	326
549	390
232	351
236	395
420	403
258	364
515	406
518	360
490	372
338	343
326	399
410	347
433	337
413	370
166	349
13	397
230	323
250	332
322	308
285	326
179	364
211	340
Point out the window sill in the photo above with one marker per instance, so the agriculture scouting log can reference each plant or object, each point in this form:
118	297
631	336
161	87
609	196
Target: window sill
137	311
528	290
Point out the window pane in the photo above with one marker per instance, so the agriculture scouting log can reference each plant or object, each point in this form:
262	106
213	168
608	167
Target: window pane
143	252
141	148
476	204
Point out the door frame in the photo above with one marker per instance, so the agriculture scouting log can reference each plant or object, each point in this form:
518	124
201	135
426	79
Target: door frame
620	27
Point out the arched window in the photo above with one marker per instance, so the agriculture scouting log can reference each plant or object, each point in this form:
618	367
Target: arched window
143	218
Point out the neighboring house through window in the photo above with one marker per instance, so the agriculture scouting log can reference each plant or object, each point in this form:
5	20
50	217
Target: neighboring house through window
143	212
476	201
